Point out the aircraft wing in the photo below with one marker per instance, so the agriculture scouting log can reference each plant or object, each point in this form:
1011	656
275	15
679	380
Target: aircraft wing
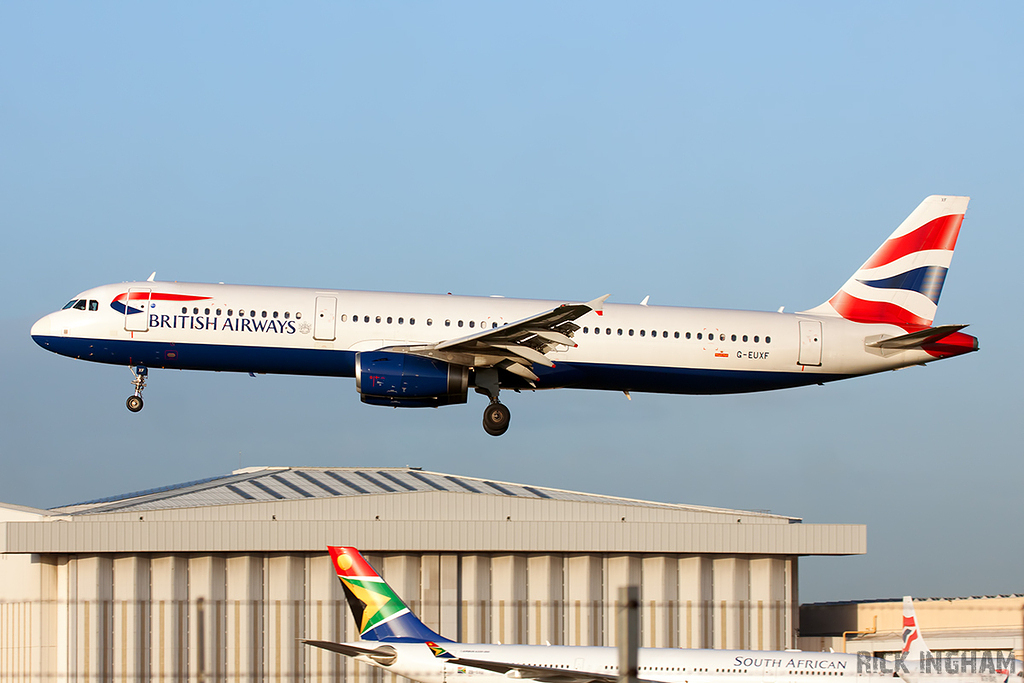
514	347
543	674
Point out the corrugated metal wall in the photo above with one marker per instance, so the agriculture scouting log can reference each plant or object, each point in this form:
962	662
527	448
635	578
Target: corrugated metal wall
239	617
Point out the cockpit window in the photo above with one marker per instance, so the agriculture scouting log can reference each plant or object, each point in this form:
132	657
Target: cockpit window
69	304
94	305
80	305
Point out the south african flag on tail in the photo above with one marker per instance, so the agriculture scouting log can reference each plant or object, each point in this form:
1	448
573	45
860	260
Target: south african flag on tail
379	613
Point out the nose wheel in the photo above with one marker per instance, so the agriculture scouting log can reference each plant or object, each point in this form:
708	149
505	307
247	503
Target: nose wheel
139	375
496	418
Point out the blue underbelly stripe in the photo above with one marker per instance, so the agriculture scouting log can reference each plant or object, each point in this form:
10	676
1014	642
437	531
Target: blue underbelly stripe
331	363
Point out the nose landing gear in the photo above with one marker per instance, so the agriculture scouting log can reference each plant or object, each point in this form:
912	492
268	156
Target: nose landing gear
134	402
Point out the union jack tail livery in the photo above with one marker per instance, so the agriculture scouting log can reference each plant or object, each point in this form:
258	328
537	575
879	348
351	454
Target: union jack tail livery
379	613
901	282
913	642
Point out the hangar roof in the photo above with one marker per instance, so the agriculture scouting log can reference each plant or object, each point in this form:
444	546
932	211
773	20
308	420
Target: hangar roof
405	509
269	484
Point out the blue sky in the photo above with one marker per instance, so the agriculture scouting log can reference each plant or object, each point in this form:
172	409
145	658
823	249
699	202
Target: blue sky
739	155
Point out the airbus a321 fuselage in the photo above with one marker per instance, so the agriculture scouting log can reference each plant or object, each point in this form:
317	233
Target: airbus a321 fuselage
422	350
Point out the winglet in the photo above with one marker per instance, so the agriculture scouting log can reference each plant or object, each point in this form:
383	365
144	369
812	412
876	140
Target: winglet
597	305
152	277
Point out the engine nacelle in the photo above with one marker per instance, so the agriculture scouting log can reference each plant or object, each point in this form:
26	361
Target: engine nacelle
402	380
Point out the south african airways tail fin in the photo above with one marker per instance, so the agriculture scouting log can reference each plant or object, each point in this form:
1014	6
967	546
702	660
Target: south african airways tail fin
901	282
379	613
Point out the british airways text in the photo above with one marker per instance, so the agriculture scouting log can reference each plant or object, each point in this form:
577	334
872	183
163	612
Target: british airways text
205	322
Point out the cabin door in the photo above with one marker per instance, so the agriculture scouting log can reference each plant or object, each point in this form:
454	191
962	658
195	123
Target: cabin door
326	314
136	310
810	342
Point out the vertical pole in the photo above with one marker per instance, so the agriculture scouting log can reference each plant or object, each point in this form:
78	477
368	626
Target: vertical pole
201	640
628	632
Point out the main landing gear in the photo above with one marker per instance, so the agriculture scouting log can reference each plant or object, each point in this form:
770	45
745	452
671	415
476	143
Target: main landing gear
496	415
496	418
139	373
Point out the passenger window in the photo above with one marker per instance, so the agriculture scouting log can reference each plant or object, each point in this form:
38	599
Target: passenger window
275	314
631	333
401	321
195	311
80	305
208	312
460	323
608	330
297	315
665	334
721	337
767	340
184	310
586	330
699	336
494	325
643	333
734	337
620	331
472	323
344	318
263	314
412	321
378	319
94	305
429	322
230	312
447	323
286	315
744	337
389	320
252	314
366	318
218	311
756	339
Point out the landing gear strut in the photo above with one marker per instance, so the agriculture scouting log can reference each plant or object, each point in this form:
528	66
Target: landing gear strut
134	402
496	415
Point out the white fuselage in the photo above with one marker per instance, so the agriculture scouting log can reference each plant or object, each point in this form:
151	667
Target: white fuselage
317	332
671	665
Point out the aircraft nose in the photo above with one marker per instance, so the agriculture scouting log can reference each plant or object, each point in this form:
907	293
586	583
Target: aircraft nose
41	329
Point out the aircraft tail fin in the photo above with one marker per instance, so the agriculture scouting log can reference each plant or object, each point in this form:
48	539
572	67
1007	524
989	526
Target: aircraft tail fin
913	641
379	613
902	281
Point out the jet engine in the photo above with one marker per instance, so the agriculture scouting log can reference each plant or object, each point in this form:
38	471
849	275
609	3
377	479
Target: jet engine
402	380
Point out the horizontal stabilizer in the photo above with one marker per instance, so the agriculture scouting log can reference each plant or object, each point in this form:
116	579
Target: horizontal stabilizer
385	654
916	339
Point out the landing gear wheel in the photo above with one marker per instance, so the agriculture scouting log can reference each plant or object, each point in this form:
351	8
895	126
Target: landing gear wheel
139	375
496	419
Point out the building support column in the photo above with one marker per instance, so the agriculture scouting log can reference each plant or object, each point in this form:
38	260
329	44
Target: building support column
508	595
544	597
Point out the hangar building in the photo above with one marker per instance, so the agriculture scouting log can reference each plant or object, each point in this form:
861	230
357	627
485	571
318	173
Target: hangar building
220	578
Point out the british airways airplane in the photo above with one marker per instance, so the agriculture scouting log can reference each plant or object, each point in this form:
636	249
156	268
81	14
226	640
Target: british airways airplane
423	350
